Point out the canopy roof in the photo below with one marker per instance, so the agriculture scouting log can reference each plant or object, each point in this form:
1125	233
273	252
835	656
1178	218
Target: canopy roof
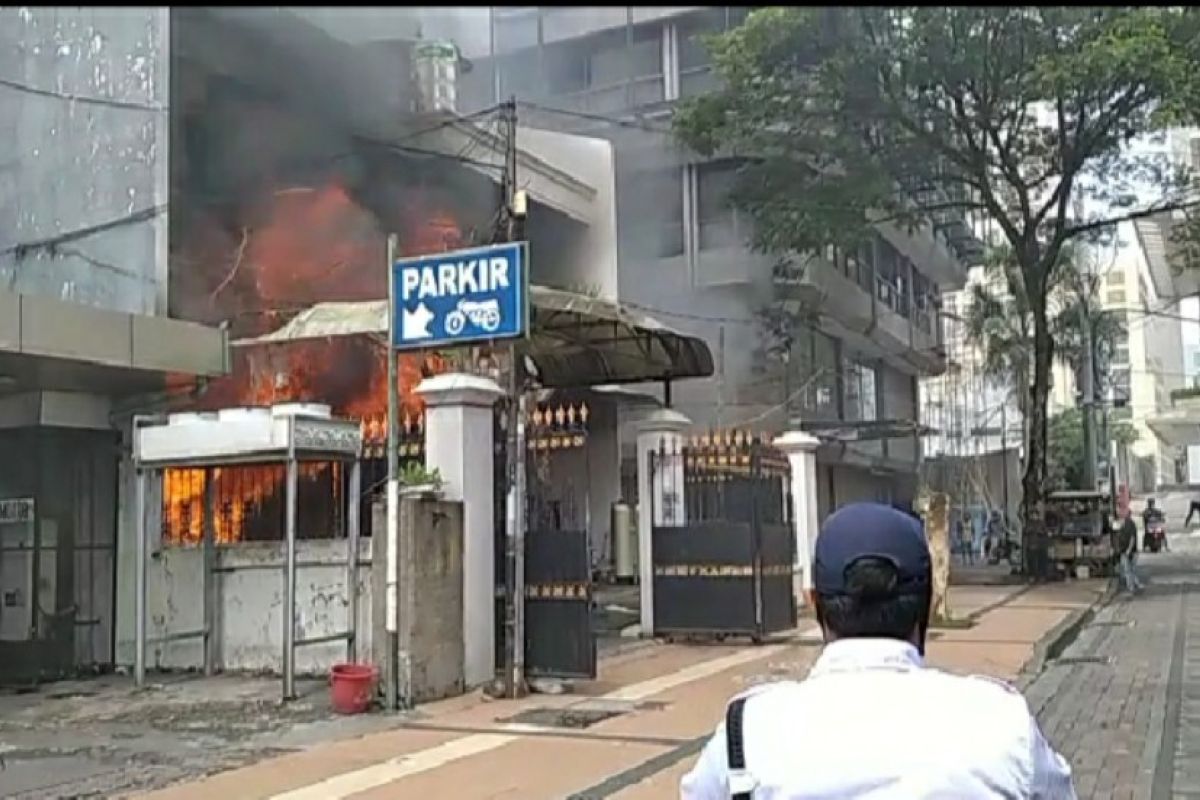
575	341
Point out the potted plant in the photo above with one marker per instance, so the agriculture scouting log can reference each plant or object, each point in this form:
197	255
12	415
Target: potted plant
416	480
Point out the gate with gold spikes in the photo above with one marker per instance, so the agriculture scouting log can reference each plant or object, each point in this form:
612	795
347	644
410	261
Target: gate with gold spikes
559	636
723	547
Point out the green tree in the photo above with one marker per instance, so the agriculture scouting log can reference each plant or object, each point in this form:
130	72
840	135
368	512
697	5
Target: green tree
1064	463
847	117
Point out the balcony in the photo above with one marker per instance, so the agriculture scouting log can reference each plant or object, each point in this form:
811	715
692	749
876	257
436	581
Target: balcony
881	323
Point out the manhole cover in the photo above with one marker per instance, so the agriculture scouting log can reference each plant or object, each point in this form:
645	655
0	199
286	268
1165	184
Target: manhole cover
576	718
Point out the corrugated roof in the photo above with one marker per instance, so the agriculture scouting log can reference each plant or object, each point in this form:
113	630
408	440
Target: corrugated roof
576	340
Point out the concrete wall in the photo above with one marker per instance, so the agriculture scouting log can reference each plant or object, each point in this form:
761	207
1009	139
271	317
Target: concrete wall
84	144
431	608
587	258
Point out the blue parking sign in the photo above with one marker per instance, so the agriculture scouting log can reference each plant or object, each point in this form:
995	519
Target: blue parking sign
464	296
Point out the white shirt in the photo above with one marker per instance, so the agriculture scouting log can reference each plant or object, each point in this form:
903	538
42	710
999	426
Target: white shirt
871	721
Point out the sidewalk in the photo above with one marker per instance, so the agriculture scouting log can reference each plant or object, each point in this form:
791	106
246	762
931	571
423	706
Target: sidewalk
631	734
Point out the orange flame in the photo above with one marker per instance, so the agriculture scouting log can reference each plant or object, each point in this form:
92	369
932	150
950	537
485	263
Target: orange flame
316	245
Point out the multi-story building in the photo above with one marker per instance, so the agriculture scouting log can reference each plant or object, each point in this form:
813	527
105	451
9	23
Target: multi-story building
1147	365
87	338
1175	427
839	349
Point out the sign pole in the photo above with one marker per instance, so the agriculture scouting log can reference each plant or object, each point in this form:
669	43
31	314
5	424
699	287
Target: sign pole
514	206
392	685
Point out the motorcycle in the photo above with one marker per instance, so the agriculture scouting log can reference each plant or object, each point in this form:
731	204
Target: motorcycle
1005	550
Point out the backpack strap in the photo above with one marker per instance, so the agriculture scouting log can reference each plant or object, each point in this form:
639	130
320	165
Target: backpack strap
741	782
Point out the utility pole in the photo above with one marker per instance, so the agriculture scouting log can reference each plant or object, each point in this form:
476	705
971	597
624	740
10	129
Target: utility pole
1088	390
1004	455
513	211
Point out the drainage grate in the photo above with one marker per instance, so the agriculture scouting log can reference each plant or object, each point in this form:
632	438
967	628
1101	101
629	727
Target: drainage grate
1113	623
575	718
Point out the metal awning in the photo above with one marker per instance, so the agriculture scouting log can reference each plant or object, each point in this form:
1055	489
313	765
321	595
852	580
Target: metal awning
576	340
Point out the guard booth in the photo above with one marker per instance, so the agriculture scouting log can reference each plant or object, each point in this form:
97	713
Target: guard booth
724	545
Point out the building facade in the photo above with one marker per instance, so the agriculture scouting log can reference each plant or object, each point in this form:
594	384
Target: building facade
839	350
86	337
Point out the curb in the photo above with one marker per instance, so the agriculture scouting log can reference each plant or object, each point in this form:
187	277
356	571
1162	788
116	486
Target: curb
1060	637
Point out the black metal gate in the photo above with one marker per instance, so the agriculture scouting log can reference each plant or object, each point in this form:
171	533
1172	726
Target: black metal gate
559	636
723	545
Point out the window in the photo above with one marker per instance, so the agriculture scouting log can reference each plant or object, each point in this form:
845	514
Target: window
567	69
515	28
716	221
653	210
1115	296
825	377
520	74
696	75
858	388
1120	384
646	65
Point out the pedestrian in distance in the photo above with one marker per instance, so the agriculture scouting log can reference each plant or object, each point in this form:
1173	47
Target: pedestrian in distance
1193	508
1127	552
871	720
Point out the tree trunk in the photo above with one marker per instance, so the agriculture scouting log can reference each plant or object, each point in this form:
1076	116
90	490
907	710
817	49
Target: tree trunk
1034	482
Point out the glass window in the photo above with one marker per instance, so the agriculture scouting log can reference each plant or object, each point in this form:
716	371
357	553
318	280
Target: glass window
516	28
608	61
655	211
715	219
1116	296
566	69
692	30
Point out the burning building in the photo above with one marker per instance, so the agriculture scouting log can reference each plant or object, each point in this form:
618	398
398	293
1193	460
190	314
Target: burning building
294	156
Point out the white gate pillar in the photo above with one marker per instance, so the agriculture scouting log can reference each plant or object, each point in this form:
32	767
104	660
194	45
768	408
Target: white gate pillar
660	495
458	443
801	450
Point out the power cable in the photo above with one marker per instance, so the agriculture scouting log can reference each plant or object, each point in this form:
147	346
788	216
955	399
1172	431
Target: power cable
620	121
127	105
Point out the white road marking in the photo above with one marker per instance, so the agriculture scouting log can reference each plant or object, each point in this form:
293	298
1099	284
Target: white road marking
705	669
383	773
342	786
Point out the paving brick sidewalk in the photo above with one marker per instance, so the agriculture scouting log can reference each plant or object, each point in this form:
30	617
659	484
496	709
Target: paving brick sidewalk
1122	703
664	703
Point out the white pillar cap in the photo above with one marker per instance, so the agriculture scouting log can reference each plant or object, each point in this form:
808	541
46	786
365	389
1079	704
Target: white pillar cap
459	389
797	442
664	420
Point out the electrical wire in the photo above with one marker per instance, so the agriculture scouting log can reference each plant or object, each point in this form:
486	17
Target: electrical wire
20	249
386	145
127	105
566	112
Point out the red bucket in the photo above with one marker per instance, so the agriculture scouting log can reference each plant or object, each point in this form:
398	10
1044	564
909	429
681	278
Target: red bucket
352	687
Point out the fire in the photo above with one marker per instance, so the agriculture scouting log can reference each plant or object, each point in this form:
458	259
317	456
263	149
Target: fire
309	245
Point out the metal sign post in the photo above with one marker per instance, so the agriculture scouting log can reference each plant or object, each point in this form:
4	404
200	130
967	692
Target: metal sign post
439	302
392	686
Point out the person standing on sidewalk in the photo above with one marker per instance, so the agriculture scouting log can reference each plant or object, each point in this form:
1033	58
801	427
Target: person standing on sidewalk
1127	552
871	720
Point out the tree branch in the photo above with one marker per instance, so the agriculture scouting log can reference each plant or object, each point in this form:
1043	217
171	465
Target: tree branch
1107	222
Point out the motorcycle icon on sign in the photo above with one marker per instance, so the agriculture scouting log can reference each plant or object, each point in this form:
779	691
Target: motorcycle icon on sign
484	315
